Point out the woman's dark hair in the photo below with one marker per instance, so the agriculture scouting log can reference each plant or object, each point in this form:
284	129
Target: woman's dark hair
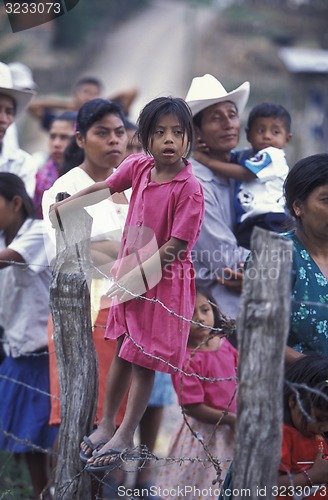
158	107
305	176
266	110
10	186
93	111
307	381
73	156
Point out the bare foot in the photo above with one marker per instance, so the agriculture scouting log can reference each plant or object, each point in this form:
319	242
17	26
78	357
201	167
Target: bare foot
98	438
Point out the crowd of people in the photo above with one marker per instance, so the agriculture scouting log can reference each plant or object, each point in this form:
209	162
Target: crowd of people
174	204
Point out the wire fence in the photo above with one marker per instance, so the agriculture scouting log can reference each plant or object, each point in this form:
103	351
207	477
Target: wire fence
130	461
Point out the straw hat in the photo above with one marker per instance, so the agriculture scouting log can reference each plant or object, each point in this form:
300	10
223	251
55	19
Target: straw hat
207	90
21	97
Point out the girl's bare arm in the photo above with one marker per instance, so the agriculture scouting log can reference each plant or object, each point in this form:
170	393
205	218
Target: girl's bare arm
209	415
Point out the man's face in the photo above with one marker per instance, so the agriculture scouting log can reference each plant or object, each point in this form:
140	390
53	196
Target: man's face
85	93
220	127
7	114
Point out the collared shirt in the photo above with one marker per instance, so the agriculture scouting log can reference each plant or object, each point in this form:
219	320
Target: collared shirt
217	247
16	161
24	292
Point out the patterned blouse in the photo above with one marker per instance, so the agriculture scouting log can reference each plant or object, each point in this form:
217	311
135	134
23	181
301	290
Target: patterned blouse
309	318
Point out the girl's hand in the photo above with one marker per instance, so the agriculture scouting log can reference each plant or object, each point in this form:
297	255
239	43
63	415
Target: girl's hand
53	215
319	471
128	287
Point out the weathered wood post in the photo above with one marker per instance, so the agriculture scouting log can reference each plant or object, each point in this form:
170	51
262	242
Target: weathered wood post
75	351
262	329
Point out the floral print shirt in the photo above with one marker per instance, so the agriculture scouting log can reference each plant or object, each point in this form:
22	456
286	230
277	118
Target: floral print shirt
309	317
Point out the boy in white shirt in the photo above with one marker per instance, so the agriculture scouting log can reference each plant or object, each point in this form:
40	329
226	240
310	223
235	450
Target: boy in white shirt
261	172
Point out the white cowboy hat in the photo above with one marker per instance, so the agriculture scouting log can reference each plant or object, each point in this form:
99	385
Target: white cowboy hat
21	97
207	90
22	76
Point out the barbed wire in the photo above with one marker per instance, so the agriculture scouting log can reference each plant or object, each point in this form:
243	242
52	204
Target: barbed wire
147	456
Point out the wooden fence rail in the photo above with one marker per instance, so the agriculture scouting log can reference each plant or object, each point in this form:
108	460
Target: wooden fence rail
262	329
75	351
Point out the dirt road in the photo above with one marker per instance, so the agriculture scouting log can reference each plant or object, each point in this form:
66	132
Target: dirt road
153	51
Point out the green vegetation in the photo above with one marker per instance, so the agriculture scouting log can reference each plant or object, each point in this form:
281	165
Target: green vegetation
15	481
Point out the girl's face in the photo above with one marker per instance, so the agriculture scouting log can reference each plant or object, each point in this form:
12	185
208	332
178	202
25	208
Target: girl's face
313	213
318	424
105	142
203	313
169	142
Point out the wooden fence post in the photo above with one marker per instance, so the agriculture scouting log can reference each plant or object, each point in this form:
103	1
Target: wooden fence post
75	351
262	329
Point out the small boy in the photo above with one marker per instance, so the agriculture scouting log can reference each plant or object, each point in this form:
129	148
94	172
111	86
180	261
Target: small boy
261	173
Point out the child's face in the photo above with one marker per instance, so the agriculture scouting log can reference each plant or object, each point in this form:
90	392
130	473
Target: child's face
268	131
169	142
60	134
203	313
318	424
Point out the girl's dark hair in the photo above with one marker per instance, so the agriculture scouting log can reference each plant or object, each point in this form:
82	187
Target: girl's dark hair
10	186
73	156
216	311
311	372
93	111
266	110
158	107
305	176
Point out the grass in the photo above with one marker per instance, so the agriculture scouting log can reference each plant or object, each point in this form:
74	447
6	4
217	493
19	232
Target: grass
15	481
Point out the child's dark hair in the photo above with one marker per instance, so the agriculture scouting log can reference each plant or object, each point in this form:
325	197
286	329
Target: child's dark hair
66	116
10	186
306	380
93	111
158	107
216	311
266	110
305	176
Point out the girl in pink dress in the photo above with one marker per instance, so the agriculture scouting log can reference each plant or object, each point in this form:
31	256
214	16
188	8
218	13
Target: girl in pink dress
210	409
154	292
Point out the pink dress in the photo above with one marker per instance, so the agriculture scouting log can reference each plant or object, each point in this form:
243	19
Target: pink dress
157	212
199	474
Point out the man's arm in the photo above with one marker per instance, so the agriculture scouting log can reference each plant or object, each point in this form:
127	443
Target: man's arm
38	106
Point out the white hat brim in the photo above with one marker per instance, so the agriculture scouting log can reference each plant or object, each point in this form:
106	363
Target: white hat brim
21	97
238	96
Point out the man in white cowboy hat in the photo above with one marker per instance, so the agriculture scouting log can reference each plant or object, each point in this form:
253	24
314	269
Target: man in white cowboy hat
13	101
217	255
